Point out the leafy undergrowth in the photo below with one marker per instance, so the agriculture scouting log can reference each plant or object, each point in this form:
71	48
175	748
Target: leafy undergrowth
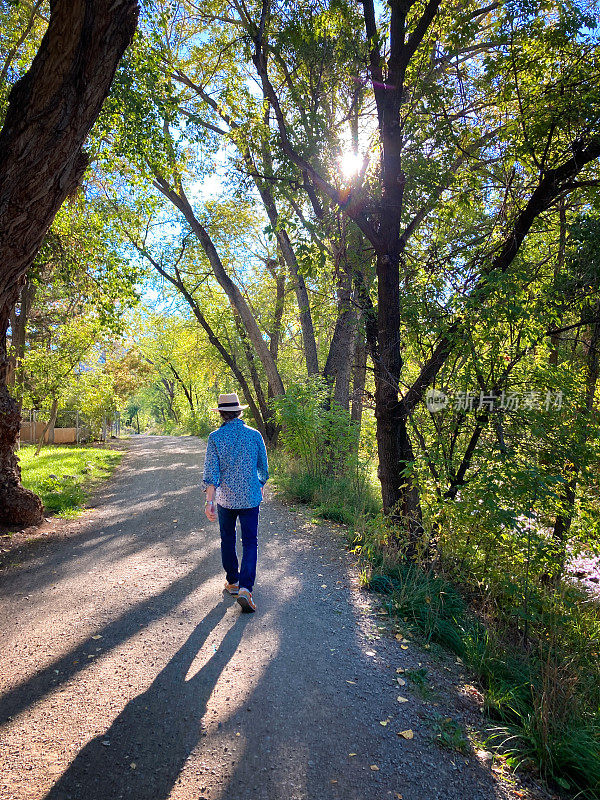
539	668
342	500
64	476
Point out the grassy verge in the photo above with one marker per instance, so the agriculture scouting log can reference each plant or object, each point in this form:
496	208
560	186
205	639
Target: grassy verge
539	666
64	476
344	500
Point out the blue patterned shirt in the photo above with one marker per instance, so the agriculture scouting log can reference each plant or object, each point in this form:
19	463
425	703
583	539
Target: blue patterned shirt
236	463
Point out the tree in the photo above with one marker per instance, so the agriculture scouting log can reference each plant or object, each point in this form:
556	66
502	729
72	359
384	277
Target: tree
50	112
80	272
201	102
497	104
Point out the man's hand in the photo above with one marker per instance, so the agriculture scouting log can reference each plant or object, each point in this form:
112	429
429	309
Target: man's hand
210	511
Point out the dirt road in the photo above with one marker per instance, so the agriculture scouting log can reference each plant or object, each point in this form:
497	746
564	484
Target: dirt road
126	673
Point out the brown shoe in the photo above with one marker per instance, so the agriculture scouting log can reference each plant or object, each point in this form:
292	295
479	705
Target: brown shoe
245	600
232	588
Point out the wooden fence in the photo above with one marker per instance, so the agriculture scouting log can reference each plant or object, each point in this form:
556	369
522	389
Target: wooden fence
32	428
31	432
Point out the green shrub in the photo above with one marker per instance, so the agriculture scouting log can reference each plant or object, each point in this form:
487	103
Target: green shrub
316	432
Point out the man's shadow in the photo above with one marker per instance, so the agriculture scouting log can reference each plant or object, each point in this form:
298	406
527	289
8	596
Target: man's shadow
156	731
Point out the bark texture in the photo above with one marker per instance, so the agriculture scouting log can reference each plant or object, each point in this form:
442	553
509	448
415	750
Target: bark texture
359	377
50	112
338	366
18	506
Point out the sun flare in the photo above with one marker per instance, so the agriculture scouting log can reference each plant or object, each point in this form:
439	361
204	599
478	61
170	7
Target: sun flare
350	163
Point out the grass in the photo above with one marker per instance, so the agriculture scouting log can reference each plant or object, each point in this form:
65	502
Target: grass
450	735
339	499
64	476
544	694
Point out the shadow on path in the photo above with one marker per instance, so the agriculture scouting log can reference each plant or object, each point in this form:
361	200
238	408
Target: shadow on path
155	732
115	633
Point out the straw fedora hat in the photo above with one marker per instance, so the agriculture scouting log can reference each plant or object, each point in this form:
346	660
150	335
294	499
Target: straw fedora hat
229	402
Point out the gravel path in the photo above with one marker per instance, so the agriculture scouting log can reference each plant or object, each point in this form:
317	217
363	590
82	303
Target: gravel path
126	673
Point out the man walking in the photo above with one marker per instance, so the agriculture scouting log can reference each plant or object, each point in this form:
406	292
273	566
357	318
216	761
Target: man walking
235	472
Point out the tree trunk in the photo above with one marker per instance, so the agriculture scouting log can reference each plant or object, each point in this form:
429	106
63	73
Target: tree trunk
302	298
169	387
49	425
275	332
359	378
271	428
341	350
286	250
18	506
18	328
50	112
186	390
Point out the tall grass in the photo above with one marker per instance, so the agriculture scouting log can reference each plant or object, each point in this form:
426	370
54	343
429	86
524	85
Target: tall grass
341	499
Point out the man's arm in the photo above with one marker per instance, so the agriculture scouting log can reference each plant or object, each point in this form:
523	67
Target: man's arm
211	479
262	465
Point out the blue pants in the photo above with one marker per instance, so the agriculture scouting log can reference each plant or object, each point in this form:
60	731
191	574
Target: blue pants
249	525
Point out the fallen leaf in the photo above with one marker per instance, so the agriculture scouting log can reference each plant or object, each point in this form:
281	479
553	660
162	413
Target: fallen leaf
398	796
399	637
384	722
370	653
374	767
402	699
406	734
400	670
351	754
133	765
333	781
401	681
352	682
404	646
97	636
